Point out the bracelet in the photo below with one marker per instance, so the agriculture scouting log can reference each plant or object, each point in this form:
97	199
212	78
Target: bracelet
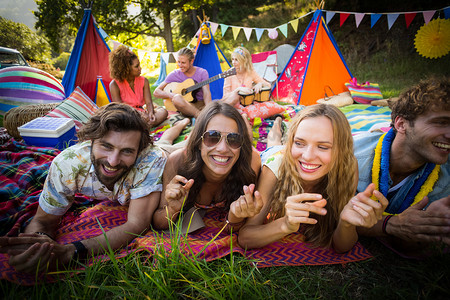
385	221
233	224
43	233
80	250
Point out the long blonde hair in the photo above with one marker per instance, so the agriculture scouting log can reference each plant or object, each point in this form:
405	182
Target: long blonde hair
338	186
244	58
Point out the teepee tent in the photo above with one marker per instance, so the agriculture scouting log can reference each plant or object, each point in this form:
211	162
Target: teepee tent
88	60
315	64
210	57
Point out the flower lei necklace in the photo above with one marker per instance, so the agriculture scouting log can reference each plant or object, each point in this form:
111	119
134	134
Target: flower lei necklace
380	173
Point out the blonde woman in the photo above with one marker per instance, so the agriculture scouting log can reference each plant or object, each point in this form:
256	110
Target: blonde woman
310	186
246	80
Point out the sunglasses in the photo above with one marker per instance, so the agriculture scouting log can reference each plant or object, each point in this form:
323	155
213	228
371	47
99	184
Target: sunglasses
213	137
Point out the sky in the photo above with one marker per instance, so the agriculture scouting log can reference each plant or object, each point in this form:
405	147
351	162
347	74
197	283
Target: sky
19	11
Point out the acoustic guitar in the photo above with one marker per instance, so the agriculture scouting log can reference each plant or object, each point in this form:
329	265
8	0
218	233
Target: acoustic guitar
187	87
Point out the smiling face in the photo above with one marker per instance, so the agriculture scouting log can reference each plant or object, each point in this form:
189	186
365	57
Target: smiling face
312	149
184	63
428	140
235	62
220	158
114	154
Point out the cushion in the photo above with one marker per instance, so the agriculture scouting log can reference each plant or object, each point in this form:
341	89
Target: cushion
77	106
262	110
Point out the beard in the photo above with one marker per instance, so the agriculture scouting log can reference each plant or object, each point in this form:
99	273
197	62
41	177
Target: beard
108	181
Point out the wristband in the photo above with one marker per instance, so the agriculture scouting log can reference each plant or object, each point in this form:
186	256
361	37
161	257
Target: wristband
80	250
385	221
43	233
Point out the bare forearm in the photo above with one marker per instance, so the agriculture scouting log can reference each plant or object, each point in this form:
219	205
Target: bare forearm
344	237
163	216
257	236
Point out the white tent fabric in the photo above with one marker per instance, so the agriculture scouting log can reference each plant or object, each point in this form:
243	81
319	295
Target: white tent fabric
284	53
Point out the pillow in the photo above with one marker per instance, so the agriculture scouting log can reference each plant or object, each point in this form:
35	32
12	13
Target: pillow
77	106
263	110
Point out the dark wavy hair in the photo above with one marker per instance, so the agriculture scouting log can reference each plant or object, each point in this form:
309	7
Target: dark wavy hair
430	94
120	61
241	173
116	117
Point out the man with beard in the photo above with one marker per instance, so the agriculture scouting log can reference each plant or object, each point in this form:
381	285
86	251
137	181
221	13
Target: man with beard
410	166
115	160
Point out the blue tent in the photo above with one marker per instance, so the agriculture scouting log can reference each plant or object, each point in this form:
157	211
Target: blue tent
207	58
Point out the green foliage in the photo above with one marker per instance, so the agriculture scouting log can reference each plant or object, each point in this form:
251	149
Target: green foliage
61	61
20	37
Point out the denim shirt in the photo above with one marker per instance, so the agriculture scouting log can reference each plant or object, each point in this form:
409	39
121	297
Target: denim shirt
364	149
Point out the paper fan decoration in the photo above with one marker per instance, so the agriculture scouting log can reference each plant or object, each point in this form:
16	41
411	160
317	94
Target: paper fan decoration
433	39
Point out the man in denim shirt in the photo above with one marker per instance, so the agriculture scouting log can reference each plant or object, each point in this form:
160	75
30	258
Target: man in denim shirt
421	140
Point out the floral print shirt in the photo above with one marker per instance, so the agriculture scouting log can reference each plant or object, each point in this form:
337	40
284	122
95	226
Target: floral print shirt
72	172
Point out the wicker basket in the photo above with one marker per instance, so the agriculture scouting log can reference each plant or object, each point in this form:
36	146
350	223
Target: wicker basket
17	116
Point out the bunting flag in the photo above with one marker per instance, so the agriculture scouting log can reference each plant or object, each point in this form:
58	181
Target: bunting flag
248	32
284	29
329	15
294	24
374	19
391	19
236	31
408	18
342	18
223	28
259	33
213	27
427	15
358	18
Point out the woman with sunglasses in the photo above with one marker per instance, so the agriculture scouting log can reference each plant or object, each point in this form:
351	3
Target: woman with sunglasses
310	186
218	168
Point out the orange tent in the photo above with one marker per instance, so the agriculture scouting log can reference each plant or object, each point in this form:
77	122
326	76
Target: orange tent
315	65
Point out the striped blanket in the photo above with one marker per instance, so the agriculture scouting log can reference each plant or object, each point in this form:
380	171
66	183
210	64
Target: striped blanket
23	170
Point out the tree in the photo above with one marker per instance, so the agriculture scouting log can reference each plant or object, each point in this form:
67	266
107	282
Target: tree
151	17
20	37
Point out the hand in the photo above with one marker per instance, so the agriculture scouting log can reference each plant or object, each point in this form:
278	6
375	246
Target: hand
33	253
298	208
423	225
257	88
177	191
151	116
362	211
248	205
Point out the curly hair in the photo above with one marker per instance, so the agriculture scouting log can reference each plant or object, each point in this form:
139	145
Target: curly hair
116	117
430	94
338	186
241	173
244	58
120	62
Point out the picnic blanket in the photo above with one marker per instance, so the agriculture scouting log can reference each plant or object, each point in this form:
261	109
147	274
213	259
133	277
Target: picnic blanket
23	170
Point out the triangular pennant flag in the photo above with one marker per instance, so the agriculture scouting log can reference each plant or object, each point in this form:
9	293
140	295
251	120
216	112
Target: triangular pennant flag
236	31
358	18
329	16
447	12
116	44
294	24
391	19
102	33
409	17
284	29
342	18
101	95
374	19
223	28
213	27
427	15
165	57
153	56
248	32
259	32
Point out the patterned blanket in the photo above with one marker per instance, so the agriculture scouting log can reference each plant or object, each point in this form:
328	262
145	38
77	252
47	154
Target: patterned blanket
23	170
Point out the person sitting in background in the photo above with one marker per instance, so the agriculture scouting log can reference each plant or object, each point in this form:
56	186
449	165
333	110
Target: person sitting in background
129	87
216	168
310	185
114	160
201	97
411	166
246	80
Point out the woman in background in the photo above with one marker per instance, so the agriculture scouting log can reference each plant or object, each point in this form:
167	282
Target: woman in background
129	87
